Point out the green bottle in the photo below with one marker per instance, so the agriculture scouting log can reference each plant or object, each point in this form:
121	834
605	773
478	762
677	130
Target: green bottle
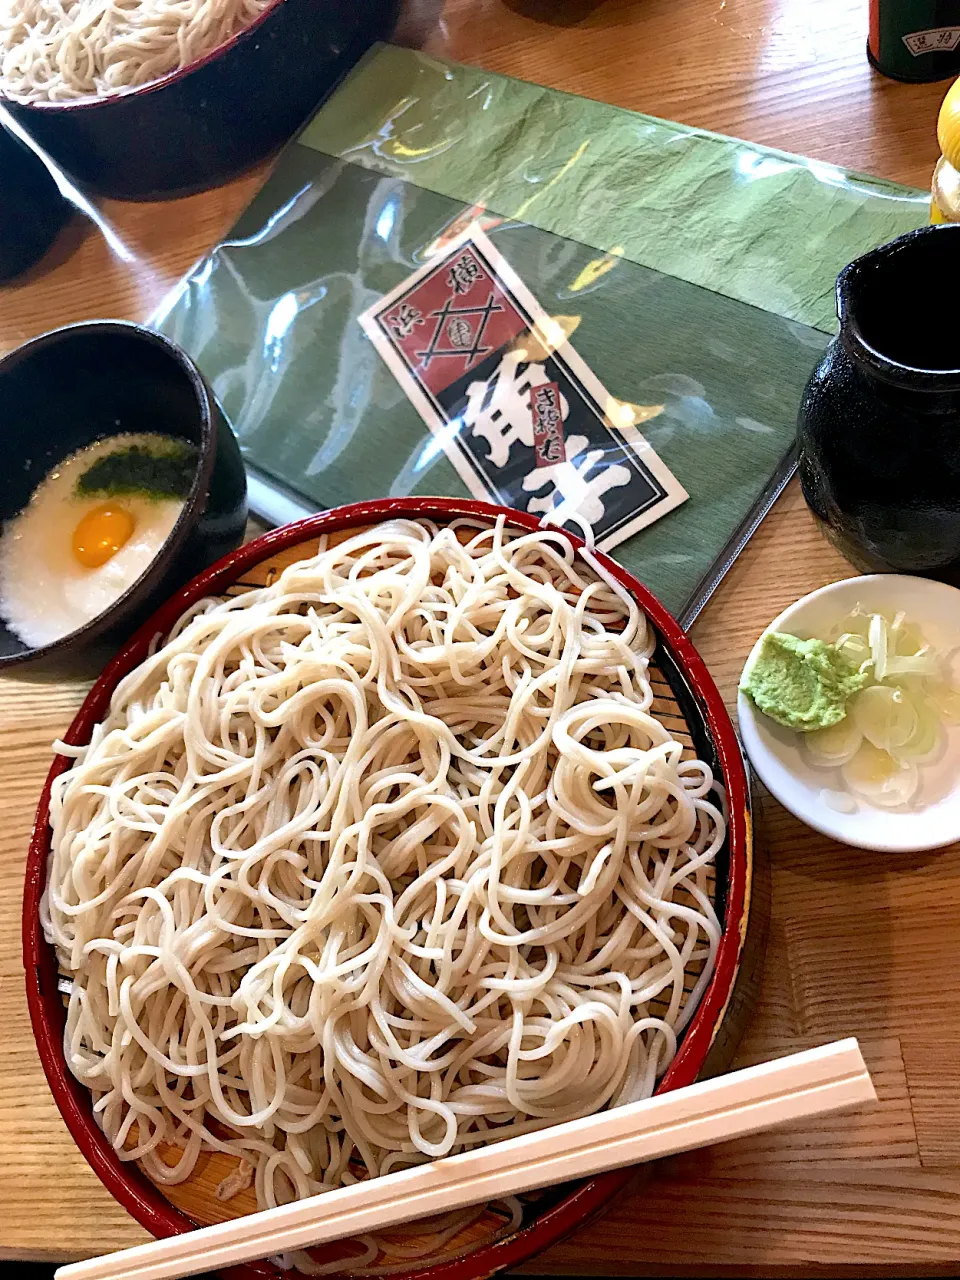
915	39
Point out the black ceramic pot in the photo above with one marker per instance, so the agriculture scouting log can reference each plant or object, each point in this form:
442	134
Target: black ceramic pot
879	424
73	386
216	117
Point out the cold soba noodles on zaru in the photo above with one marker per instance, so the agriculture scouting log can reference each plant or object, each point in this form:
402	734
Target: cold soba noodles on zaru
380	862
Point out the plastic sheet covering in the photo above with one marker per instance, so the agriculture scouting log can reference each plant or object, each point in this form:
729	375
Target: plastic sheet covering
693	274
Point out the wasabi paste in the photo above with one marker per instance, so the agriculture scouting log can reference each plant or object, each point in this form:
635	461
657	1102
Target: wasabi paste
802	684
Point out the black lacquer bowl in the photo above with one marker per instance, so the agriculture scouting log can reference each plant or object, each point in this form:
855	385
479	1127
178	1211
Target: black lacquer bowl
73	386
216	117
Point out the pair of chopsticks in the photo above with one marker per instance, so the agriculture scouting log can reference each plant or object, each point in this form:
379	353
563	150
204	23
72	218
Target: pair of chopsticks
831	1078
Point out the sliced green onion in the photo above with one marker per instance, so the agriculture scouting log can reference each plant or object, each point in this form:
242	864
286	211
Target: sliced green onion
877	635
879	778
923	663
884	716
896	722
854	648
838	801
905	637
835	744
856	623
925	742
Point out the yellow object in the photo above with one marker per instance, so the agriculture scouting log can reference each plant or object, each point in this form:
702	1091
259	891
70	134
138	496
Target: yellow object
948	126
545	336
100	534
596	268
945	206
621	413
945	203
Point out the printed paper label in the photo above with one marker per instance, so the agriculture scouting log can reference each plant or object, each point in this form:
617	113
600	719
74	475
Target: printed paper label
547	410
523	419
933	40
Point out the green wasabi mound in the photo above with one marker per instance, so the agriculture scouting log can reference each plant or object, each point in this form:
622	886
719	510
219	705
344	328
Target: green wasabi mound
802	684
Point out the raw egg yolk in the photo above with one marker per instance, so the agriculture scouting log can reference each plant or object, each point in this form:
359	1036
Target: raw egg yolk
100	534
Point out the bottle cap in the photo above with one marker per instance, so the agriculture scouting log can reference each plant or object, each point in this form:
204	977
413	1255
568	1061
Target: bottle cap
948	126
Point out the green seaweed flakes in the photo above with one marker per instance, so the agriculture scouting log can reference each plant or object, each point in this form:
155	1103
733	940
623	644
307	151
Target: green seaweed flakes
162	472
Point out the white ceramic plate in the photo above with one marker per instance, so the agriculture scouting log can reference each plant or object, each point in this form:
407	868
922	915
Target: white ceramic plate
932	819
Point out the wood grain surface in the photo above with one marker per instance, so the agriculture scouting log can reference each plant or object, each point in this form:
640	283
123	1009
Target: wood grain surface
859	943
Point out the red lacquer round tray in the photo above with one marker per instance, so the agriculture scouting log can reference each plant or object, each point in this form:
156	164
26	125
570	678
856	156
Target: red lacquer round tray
684	691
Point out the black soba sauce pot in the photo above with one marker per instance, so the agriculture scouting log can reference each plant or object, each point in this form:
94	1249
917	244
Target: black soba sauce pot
879	423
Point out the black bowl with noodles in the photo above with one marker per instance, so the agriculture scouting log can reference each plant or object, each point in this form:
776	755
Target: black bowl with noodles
75	386
216	117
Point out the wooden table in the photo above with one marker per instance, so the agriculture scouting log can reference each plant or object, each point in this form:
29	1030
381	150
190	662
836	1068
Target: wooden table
858	943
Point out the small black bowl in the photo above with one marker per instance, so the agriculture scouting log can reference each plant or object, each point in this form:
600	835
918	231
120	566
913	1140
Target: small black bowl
216	117
32	210
74	386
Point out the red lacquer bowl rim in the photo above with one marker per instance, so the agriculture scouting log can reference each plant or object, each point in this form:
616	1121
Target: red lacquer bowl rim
124	1180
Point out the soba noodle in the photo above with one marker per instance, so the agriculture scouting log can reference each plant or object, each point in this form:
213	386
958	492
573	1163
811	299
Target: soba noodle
55	50
382	861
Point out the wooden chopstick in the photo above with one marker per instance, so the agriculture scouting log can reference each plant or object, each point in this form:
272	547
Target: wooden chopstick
831	1078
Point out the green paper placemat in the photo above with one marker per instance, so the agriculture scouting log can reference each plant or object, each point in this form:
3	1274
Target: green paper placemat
756	224
698	270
